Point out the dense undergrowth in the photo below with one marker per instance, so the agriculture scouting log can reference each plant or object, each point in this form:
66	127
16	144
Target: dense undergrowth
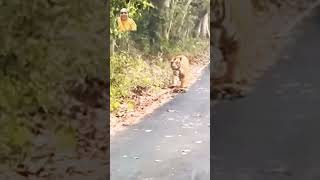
42	49
131	72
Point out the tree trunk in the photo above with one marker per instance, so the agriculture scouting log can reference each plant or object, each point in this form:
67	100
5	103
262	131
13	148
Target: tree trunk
205	32
186	34
185	12
172	11
157	24
166	3
198	25
112	46
198	29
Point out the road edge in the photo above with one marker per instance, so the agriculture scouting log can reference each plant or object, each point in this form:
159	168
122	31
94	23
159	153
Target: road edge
298	19
119	128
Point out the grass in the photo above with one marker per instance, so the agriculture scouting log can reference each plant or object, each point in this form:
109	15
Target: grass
130	72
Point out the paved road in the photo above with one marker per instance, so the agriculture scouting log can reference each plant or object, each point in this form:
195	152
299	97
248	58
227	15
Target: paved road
179	139
274	133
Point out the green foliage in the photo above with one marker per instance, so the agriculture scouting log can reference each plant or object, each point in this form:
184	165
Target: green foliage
129	72
175	23
38	51
43	44
135	7
190	46
160	28
15	140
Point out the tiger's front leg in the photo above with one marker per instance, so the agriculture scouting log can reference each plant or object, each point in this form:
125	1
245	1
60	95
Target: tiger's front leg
183	79
183	82
229	75
175	79
230	49
231	62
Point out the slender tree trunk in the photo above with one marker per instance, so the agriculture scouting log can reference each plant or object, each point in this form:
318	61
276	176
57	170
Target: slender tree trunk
198	29
205	32
157	24
198	25
172	11
154	34
185	12
112	46
164	8
186	34
166	3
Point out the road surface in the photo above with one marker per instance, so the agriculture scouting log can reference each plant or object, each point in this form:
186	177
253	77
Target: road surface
171	143
273	133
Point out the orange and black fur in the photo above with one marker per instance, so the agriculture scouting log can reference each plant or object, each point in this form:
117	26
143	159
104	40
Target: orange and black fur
180	66
226	41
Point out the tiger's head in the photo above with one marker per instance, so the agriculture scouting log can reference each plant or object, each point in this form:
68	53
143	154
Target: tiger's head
176	63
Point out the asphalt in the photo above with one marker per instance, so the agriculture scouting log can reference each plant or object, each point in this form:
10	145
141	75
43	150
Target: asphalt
273	133
172	143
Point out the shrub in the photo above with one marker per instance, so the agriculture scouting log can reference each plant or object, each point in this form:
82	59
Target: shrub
128	72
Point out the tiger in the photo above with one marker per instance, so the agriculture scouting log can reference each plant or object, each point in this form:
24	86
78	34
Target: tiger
180	66
225	39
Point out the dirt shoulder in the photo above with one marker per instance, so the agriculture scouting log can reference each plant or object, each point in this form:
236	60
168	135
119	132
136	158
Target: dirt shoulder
147	102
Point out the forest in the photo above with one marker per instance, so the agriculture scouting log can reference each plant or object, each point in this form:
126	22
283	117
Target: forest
165	28
53	57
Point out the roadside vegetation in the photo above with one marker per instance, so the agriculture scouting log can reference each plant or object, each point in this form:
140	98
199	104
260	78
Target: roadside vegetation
48	50
53	86
165	29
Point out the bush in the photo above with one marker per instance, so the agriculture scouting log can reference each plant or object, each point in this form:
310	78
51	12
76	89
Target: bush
42	48
190	46
128	72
